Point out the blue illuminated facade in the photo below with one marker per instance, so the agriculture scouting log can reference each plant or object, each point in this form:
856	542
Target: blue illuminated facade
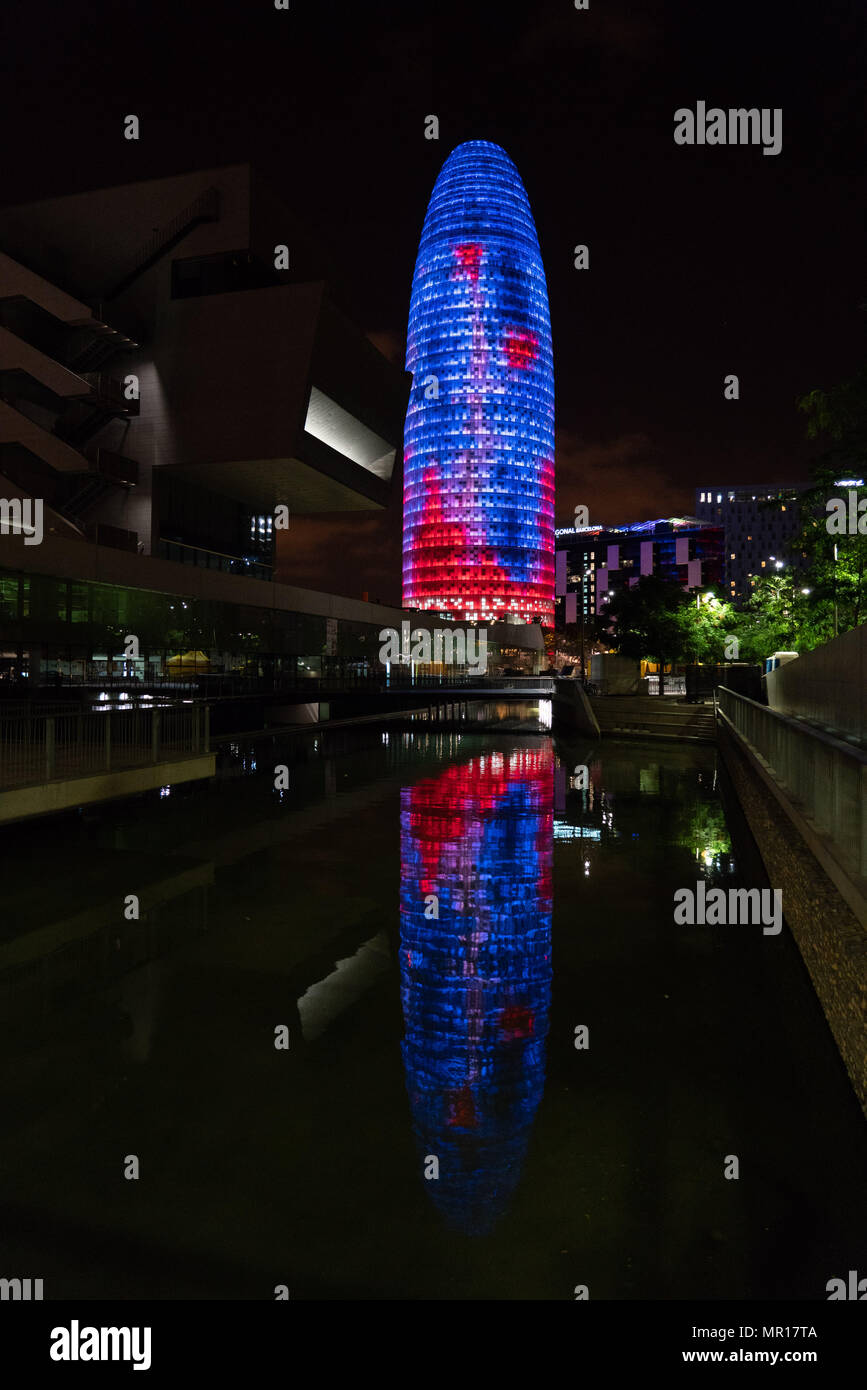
478	538
476	978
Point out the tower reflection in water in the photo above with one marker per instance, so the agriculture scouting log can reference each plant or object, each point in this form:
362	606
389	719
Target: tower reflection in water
476	846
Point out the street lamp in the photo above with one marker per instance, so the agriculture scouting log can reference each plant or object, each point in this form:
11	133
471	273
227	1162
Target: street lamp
586	576
835	588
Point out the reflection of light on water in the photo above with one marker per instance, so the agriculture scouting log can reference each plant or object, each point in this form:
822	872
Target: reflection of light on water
545	713
476	977
564	831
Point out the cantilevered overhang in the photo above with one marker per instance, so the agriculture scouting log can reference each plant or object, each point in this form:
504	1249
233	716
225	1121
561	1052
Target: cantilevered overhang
313	478
19	282
18	356
331	424
16	428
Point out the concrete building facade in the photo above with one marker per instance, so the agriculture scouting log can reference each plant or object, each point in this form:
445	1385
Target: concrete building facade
592	561
759	520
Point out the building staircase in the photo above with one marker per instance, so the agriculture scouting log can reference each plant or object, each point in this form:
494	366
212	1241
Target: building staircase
653	716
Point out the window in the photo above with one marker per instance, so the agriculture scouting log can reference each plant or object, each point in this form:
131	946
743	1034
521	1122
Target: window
77	606
9	598
220	274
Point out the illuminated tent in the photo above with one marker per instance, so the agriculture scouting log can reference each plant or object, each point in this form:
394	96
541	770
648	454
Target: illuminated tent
189	661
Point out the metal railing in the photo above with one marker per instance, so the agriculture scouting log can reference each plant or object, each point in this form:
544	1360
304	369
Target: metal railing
183	554
825	777
673	685
204	208
108	390
37	748
205	684
402	680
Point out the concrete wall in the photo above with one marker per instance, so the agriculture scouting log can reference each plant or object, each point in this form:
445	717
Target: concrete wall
827	687
616	675
225	377
90	240
47	798
572	709
829	935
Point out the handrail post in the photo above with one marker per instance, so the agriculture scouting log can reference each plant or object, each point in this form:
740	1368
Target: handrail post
862	820
108	740
155	735
50	760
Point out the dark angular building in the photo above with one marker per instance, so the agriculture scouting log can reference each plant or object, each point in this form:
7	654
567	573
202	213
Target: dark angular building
163	388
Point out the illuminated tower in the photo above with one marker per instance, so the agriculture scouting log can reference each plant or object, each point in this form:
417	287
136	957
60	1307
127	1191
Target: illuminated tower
478	505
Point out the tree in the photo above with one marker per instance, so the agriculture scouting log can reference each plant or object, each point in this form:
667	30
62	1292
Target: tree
648	620
658	619
709	623
768	622
833	567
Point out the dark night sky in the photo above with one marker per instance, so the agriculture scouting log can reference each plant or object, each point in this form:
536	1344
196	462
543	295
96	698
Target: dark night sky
704	261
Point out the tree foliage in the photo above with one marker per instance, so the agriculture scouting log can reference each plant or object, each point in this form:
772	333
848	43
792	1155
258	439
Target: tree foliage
658	620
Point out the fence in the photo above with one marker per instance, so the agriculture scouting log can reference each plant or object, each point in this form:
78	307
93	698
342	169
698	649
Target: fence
674	685
399	678
827	778
39	747
206	685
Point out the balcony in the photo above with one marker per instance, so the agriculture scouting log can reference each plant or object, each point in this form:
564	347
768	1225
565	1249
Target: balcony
213	560
108	394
